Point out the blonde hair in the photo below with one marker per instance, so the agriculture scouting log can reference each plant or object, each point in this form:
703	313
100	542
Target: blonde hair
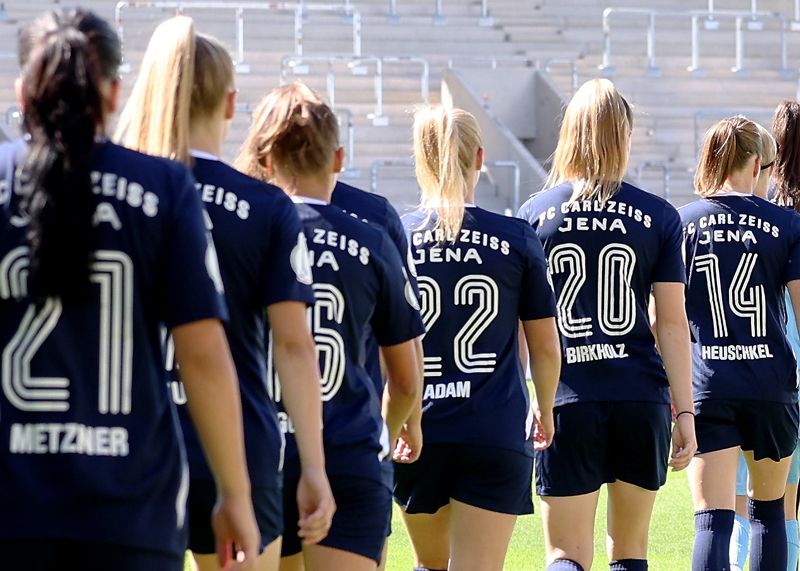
184	76
727	147
445	146
593	145
769	152
294	129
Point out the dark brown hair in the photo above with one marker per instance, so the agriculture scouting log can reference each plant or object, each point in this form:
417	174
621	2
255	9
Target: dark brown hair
786	176
64	56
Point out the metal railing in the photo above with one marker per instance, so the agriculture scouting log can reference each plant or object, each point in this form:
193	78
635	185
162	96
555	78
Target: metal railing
377	166
358	65
695	16
439	18
704	116
515	181
239	8
665	169
424	74
545	65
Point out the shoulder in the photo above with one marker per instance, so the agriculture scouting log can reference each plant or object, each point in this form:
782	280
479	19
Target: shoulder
544	199
368	205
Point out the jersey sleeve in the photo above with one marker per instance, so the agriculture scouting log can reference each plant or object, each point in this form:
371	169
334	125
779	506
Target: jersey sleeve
536	300
396	318
190	287
793	263
396	231
287	271
669	264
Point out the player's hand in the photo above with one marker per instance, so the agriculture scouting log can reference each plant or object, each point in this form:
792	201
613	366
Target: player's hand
316	506
236	532
409	445
684	442
543	429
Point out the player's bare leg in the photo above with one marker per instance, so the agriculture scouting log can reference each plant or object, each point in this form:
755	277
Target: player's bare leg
430	538
629	511
321	558
478	538
569	528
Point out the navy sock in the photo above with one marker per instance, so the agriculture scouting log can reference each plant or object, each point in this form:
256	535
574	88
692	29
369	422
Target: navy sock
628	565
712	536
768	535
564	565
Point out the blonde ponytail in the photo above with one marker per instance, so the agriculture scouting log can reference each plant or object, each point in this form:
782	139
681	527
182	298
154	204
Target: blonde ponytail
183	76
445	146
594	143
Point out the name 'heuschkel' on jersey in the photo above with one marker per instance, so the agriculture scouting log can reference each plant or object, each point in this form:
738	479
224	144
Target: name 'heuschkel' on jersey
89	438
603	260
741	250
474	289
259	239
360	290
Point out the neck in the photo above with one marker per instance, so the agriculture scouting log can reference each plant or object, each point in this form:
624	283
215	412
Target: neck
207	135
319	188
739	184
469	198
760	189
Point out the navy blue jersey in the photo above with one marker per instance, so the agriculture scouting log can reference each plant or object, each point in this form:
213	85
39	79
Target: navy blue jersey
377	210
603	260
740	252
259	241
474	290
90	438
360	290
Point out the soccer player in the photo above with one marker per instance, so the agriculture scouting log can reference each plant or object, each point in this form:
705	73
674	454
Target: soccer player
741	251
99	247
479	274
740	538
180	107
360	291
609	245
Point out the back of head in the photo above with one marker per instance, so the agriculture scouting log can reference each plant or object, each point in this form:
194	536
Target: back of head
769	150
294	130
727	148
184	76
65	56
786	176
594	144
446	142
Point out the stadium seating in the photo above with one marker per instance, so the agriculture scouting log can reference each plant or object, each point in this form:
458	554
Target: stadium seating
672	110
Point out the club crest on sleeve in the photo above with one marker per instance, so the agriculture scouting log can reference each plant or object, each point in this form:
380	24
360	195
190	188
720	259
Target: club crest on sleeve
299	260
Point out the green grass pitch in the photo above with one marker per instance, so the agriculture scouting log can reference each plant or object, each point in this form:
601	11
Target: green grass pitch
671	535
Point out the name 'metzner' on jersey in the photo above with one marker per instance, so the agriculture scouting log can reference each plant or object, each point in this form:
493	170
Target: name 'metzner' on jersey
740	252
603	260
358	282
473	292
259	240
377	210
89	438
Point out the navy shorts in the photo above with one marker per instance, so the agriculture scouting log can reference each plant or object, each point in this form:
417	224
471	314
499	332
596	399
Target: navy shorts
485	477
599	443
768	429
267	503
49	554
360	524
